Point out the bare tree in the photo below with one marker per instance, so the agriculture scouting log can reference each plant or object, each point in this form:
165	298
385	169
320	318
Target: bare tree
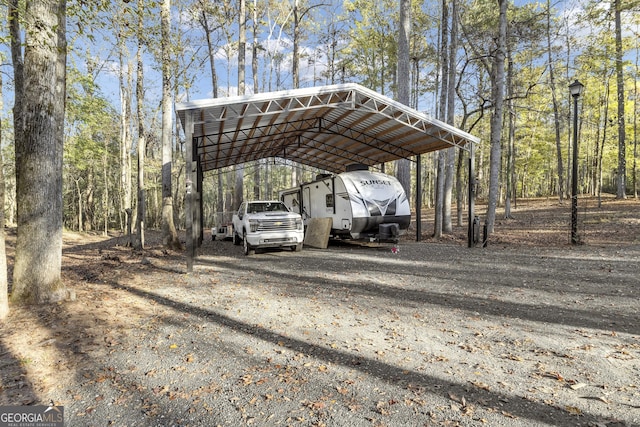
556	108
169	234
125	81
403	166
255	48
140	222
635	126
447	225
497	89
209	31
242	41
511	123
242	45
4	279
126	142
621	187
298	15
438	223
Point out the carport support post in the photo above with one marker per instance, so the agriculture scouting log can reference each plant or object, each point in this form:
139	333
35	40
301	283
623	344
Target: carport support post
188	213
418	198
472	195
200	210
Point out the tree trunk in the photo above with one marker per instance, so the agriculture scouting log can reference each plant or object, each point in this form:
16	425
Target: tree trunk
220	201
105	194
599	151
403	166
621	187
635	129
169	233
511	111
80	206
267	179
89	208
242	44
254	73
447	225
238	193
255	47
239	184
497	83
460	196
556	108
439	194
18	67
39	151
4	279
211	54
140	221
256	179
295	181
438	223
295	54
126	139
214	88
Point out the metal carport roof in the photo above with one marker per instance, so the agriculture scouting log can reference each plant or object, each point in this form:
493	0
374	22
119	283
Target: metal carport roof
327	127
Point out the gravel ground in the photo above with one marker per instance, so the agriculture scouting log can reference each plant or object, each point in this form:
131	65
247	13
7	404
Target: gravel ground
433	335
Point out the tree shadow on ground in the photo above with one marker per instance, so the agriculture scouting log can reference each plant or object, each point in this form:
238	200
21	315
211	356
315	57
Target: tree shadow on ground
464	295
15	386
389	373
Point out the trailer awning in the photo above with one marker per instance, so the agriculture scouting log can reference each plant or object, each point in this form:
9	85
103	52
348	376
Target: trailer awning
327	127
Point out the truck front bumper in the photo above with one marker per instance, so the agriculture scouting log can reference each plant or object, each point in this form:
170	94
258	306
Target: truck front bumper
264	240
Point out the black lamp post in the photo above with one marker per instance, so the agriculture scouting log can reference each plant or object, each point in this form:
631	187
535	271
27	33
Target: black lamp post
576	89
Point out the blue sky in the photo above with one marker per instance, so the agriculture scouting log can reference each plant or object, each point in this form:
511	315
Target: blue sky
106	56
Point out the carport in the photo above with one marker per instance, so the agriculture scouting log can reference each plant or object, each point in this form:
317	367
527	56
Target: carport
328	127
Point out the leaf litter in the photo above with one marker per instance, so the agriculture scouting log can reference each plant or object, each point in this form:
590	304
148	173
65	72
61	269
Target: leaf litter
443	335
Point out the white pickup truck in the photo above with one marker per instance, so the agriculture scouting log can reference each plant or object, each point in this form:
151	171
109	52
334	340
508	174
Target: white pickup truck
267	223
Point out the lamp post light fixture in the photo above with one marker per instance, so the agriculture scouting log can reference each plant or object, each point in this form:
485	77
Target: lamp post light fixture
576	89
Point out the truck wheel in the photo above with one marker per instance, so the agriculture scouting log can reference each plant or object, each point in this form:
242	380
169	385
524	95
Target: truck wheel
248	250
298	247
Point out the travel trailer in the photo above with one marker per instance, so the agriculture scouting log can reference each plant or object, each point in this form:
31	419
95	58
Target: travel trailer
362	204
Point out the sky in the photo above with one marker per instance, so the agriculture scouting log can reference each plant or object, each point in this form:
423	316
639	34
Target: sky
227	70
108	79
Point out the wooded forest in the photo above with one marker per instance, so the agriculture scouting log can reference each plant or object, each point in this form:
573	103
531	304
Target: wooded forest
89	136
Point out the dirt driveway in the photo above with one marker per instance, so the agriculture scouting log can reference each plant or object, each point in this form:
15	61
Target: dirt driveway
434	335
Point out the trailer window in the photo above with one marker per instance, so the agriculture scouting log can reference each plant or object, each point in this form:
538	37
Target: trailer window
329	200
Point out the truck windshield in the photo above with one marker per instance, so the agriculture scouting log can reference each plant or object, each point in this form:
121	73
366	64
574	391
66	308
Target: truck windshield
258	207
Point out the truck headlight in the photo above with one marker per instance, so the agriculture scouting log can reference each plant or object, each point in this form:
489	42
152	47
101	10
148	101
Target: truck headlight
253	225
299	223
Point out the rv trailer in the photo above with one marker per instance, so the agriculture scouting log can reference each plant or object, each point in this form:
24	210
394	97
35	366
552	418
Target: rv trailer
362	204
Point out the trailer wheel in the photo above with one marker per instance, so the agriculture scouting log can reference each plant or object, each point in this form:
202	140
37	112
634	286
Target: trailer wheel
248	250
